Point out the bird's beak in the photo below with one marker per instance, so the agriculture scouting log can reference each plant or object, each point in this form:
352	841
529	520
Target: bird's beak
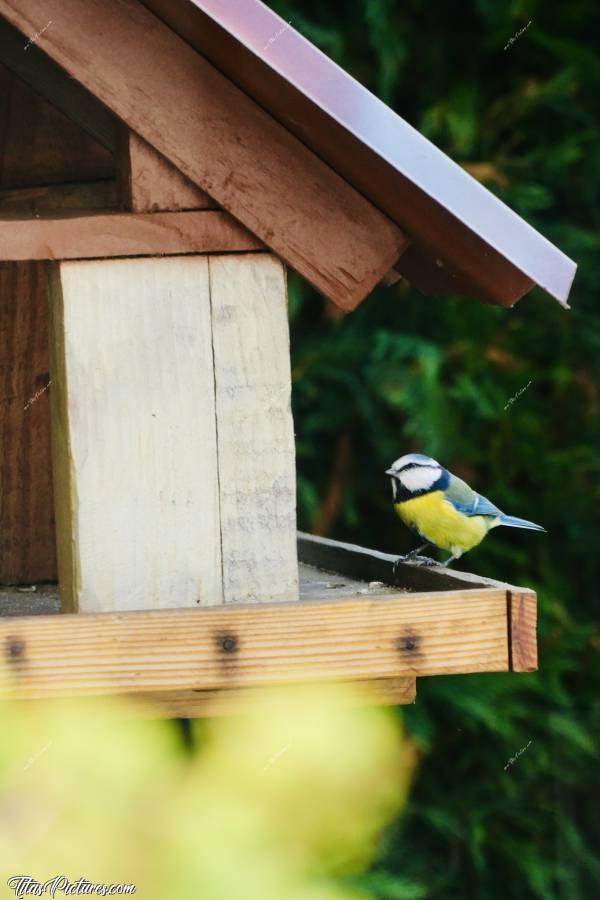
389	472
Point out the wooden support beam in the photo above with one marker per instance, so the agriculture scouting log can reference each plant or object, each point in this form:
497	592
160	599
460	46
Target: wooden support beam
233	646
100	235
48	80
220	139
134	434
257	460
27	542
149	182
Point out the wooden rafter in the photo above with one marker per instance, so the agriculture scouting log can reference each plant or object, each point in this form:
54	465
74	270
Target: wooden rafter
220	139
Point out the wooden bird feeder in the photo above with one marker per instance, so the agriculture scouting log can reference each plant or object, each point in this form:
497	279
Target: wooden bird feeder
161	163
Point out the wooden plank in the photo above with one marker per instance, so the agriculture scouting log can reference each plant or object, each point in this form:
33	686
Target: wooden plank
134	435
96	235
522	623
41	146
257	468
27	542
372	565
150	183
77	195
220	139
50	81
234	646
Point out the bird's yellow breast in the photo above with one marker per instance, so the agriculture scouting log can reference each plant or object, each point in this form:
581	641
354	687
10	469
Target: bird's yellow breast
437	521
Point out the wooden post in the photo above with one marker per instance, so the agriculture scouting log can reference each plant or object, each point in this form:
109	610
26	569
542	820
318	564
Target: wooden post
172	432
134	434
255	430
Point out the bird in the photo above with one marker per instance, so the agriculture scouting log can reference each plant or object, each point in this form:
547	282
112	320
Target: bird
442	509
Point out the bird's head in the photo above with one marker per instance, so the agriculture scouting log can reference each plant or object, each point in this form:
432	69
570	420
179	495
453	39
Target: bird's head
415	474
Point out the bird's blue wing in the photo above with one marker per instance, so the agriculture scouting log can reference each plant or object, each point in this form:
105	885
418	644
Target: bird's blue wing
467	501
480	506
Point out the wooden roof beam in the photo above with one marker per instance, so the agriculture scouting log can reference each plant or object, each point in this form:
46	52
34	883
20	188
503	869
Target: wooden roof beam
220	139
98	234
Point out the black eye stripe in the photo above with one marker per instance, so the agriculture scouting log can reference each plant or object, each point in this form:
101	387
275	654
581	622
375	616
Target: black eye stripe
413	465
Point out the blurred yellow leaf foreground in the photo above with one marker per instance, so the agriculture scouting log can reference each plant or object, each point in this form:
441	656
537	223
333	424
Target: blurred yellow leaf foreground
275	804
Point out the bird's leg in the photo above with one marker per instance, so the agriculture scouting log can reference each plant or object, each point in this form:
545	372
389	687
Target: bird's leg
446	562
415	552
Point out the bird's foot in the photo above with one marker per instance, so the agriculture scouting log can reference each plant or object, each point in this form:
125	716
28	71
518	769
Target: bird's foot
415	559
424	561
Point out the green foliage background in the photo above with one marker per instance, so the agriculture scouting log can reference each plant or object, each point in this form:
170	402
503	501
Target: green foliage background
408	372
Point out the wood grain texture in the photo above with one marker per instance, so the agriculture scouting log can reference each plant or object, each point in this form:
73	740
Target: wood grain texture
84	195
522	622
234	646
150	183
40	145
257	461
135	460
27	542
220	139
373	565
100	235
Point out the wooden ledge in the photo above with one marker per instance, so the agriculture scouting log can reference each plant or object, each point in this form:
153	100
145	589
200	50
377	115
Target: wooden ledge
96	234
192	662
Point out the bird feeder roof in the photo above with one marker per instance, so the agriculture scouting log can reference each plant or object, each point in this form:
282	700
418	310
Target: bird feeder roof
312	164
462	235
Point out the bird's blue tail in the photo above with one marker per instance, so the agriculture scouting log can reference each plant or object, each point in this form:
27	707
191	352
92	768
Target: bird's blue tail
514	522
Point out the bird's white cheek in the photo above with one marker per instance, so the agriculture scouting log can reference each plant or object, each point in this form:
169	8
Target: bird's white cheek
420	479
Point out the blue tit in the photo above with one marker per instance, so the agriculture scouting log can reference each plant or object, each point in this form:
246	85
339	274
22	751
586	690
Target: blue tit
441	509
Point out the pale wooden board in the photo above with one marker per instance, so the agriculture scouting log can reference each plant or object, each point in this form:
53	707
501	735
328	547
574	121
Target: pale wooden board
99	234
257	468
234	646
220	139
135	463
149	182
27	541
